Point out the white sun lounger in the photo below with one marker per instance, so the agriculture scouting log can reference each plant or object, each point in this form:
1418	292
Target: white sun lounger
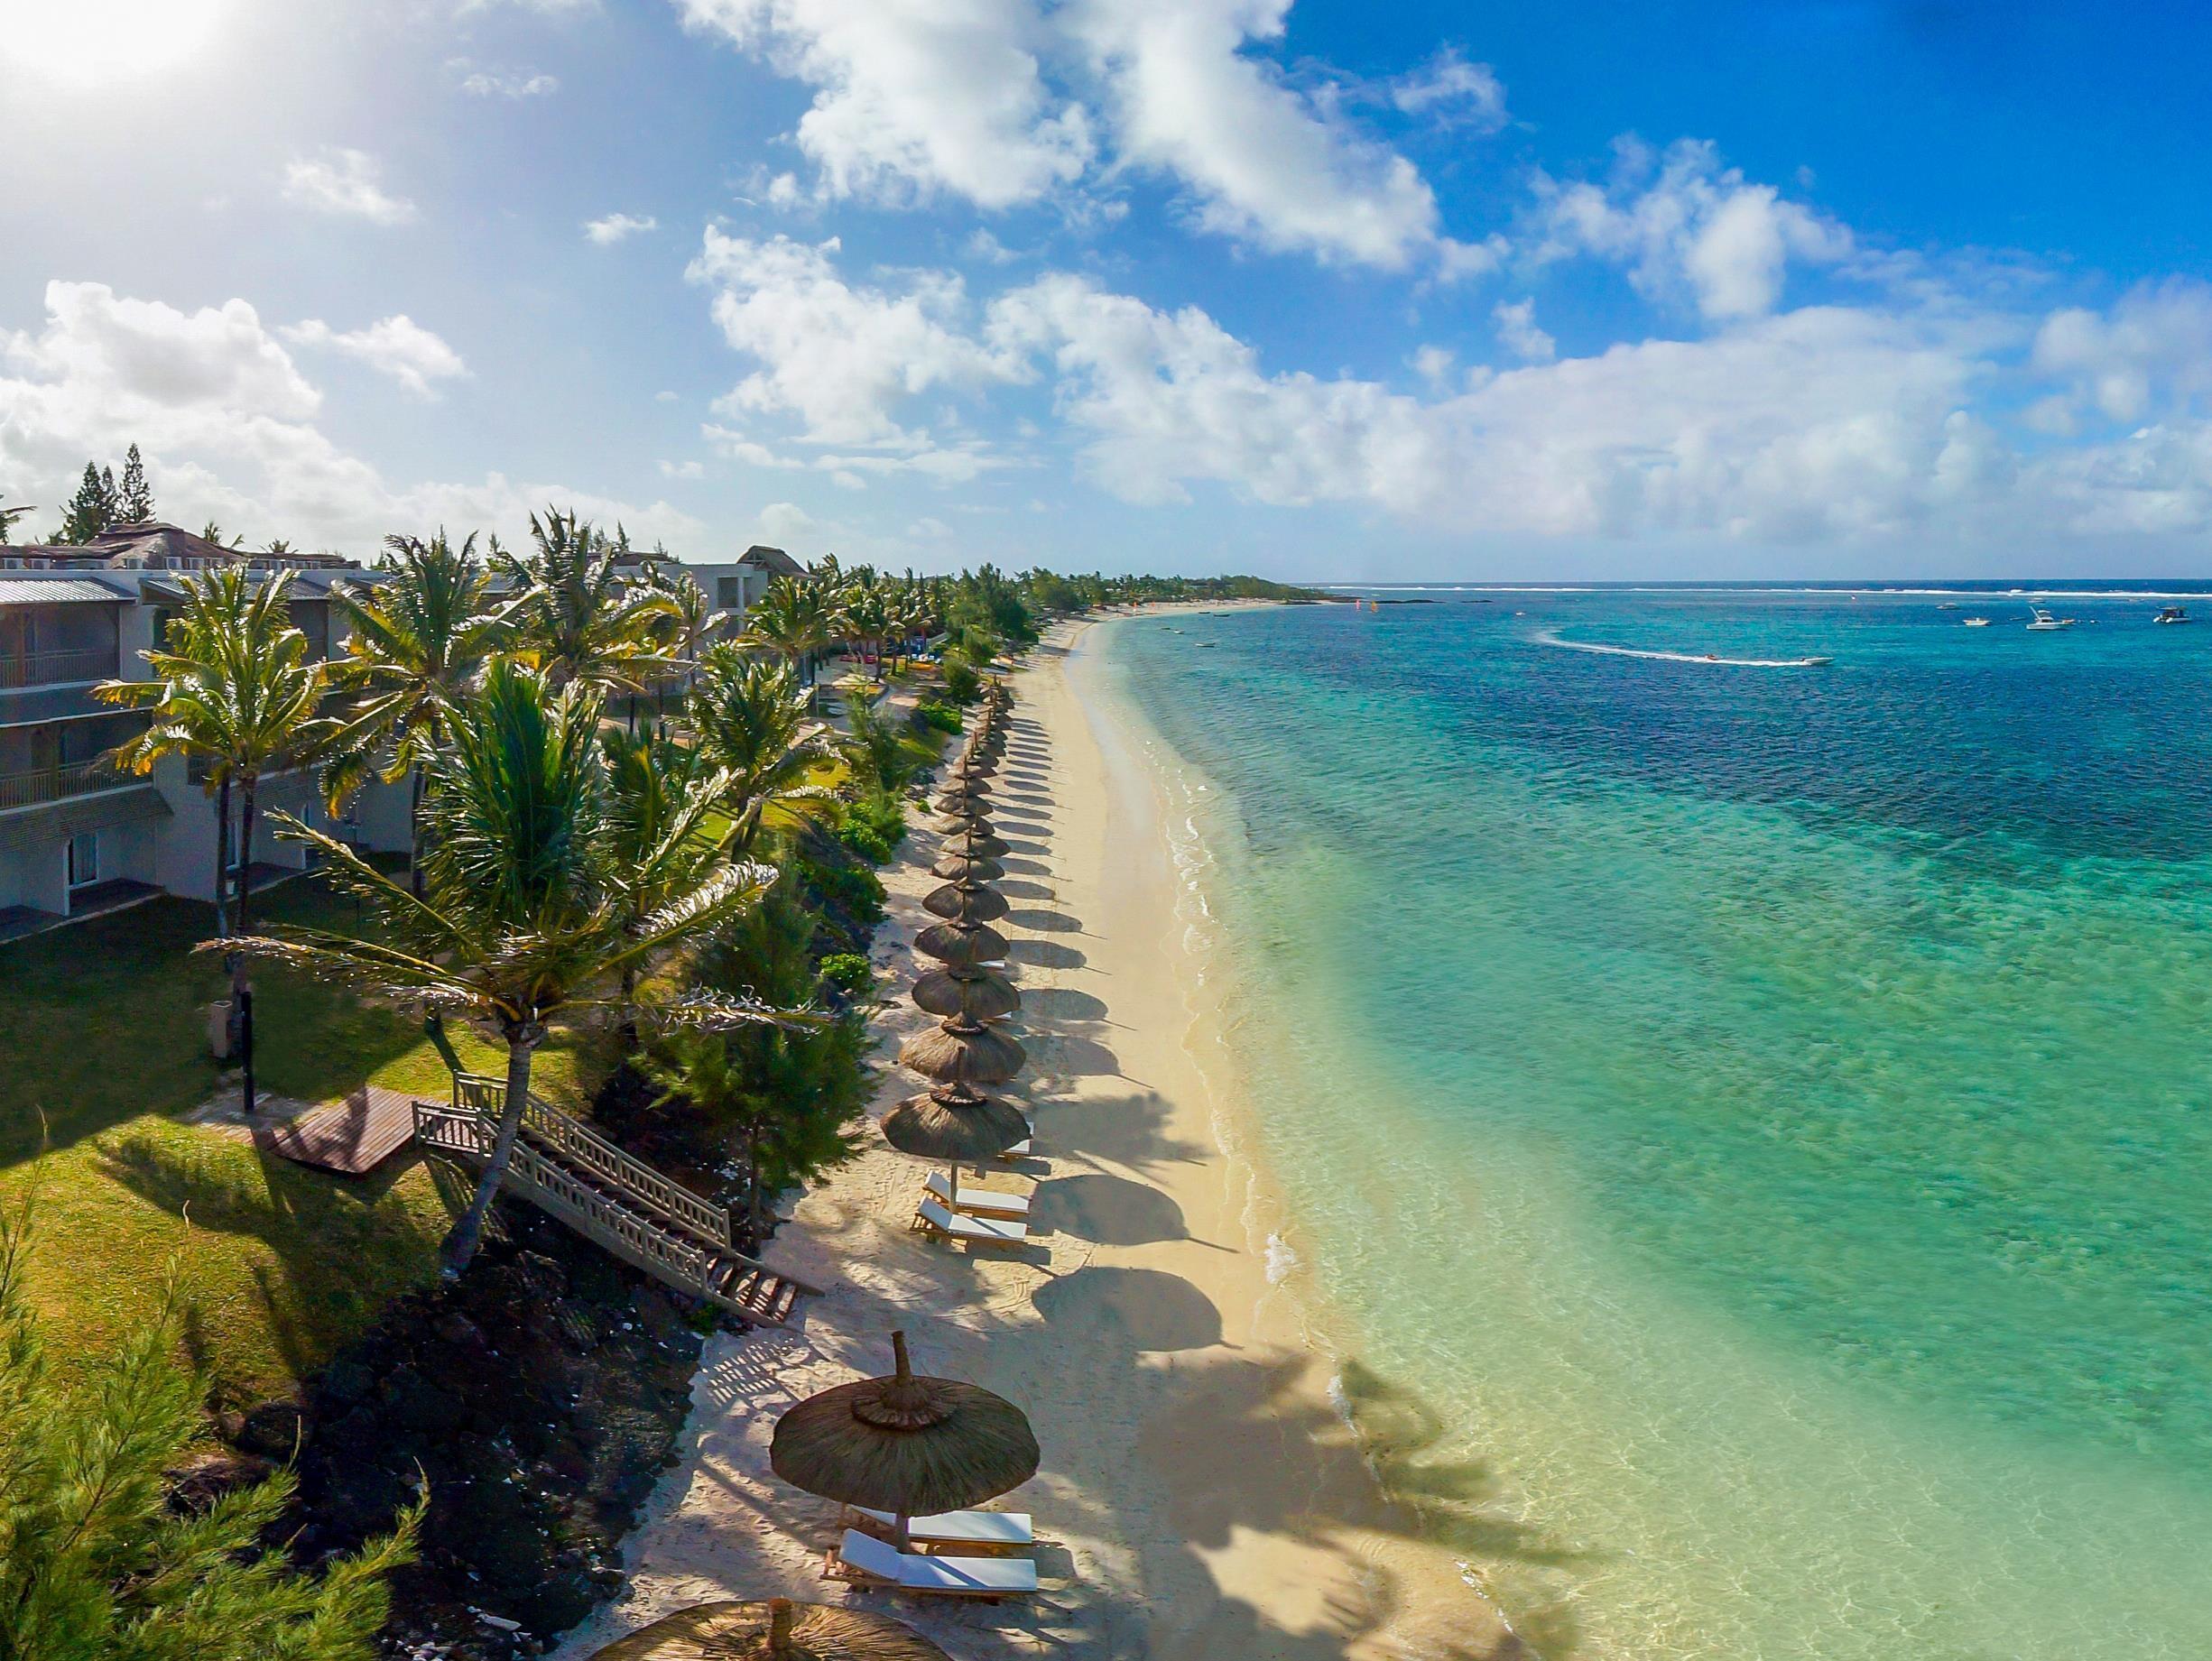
982	1531
1024	1147
862	1557
976	1202
973	1230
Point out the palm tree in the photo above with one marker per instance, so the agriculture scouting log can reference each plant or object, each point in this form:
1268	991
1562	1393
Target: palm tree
529	907
414	643
650	782
236	693
792	620
8	516
692	624
865	618
748	719
575	616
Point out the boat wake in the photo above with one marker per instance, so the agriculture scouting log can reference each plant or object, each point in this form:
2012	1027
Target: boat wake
1551	639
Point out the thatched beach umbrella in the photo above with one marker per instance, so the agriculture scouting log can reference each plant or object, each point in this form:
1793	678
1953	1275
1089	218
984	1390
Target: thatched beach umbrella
963	1052
962	945
773	1629
908	1444
956	1124
962	902
967	994
972	839
956	866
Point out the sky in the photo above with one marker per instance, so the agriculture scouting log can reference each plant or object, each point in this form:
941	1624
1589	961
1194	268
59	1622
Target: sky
1327	290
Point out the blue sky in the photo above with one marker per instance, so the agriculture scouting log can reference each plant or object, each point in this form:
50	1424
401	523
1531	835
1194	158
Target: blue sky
1319	290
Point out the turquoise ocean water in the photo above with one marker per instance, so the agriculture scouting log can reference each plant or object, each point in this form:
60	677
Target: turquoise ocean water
1753	1124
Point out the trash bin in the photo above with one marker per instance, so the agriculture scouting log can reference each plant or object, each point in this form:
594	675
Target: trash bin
219	1029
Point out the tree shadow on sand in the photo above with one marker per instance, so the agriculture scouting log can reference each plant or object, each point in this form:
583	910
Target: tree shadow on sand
1045	954
1110	1211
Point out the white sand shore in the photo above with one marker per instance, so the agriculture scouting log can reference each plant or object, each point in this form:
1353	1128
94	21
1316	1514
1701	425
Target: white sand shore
1201	1500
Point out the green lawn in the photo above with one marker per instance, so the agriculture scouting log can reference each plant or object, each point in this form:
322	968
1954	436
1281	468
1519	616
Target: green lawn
103	1032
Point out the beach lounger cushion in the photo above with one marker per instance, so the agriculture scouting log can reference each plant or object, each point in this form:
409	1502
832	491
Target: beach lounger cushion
993	1229
965	1577
982	1201
1001	1530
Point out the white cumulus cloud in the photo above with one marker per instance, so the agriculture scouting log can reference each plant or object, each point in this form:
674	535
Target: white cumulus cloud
916	97
1683	224
617	228
228	422
841	357
2154	345
1515	322
1453	92
397	347
348	183
1262	161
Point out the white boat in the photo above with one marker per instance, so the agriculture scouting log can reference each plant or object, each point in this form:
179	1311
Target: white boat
1977	622
2173	614
1814	663
2042	623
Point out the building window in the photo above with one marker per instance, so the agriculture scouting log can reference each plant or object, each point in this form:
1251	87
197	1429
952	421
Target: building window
728	595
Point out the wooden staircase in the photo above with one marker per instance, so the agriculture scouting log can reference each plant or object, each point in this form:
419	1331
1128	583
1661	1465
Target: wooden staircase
570	1171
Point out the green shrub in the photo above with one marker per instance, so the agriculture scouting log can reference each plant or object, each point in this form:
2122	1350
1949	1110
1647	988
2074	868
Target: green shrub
962	684
873	826
944	717
852	890
849	973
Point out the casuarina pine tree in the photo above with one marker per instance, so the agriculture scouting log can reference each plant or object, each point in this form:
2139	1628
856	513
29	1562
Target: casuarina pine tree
135	498
91	510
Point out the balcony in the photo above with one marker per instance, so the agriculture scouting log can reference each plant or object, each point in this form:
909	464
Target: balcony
55	668
57	782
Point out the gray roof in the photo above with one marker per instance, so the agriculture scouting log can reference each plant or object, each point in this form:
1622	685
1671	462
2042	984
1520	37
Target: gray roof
773	560
56	591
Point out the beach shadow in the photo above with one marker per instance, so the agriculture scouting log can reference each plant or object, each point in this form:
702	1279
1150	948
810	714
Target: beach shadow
1142	1310
1044	955
1062	1004
1044	922
1026	867
1110	1211
1068	1056
1016	888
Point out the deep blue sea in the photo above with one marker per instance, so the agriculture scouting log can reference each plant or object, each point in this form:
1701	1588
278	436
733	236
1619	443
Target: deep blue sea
1755	1118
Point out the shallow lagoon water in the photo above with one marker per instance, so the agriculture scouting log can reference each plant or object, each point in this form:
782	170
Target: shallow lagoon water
1757	1116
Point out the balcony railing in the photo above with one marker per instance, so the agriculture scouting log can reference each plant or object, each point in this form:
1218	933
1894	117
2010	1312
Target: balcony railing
50	668
52	784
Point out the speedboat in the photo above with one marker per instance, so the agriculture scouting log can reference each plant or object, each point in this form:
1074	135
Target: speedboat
2173	614
1977	622
1948	605
2042	623
1815	663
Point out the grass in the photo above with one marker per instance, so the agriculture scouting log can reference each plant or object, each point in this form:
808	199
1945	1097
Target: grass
104	1034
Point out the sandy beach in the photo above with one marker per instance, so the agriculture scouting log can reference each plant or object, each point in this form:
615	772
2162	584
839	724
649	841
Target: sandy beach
1200	1497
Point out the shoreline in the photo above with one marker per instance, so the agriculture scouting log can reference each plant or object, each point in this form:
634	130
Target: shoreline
1202	1495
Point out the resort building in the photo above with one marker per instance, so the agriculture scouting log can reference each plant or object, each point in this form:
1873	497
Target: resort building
76	837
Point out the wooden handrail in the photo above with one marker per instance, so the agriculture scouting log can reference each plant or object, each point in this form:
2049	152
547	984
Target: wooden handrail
579	1144
551	1185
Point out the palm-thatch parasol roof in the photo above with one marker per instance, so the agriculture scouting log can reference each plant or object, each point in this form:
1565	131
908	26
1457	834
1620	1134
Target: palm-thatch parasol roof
967	815
909	1445
955	1125
957	1052
969	993
972	838
964	944
960	903
773	1629
956	866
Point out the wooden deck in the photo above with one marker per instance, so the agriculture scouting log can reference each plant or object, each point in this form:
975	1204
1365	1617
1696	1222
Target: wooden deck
352	1137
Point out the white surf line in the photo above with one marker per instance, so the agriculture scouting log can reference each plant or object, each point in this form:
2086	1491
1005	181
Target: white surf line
1550	639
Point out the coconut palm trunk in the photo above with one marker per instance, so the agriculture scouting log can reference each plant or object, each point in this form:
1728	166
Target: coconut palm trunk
241	986
461	1242
222	857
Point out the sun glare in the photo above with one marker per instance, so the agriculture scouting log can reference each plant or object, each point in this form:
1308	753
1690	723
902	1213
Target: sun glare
79	42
